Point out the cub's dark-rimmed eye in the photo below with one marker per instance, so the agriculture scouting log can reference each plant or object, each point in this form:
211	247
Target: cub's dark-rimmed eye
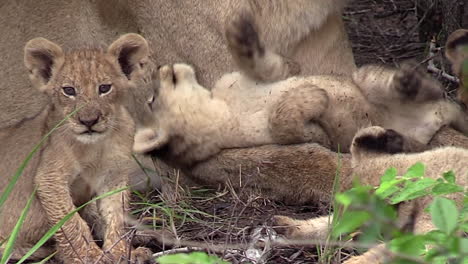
69	91
104	88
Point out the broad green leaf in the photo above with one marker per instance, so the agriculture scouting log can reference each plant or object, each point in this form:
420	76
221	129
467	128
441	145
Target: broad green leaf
436	236
14	233
388	188
343	198
413	190
389	175
412	245
464	245
349	222
444	214
446	188
449	176
415	171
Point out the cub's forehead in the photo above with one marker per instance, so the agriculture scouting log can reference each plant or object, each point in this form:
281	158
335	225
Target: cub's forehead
87	65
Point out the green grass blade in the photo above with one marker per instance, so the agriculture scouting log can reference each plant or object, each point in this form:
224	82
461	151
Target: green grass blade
58	225
14	233
25	162
46	259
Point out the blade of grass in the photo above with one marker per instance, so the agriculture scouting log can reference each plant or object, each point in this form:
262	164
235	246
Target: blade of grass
14	233
58	225
46	259
25	162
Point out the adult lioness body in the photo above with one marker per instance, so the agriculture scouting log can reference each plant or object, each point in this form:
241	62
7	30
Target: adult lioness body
309	32
89	155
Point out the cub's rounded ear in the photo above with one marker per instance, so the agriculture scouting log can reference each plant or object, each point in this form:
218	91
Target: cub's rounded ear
131	52
456	48
41	58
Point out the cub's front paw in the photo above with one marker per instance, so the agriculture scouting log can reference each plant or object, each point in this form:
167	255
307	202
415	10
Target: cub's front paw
413	83
378	139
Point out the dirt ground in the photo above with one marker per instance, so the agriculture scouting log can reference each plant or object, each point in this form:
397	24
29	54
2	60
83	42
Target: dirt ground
381	32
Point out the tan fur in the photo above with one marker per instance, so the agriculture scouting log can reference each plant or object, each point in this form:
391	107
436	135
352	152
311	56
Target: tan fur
309	32
194	123
369	165
89	155
456	50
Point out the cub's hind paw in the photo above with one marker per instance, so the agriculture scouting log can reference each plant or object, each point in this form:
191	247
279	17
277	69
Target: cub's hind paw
242	37
378	139
414	84
286	226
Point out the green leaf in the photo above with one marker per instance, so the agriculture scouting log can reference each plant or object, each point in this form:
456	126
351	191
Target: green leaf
14	233
436	236
190	258
388	188
389	175
464	245
449	176
446	188
413	190
343	198
415	171
444	214
412	245
349	222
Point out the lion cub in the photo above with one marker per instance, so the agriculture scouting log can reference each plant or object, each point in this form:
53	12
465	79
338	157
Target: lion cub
89	155
194	123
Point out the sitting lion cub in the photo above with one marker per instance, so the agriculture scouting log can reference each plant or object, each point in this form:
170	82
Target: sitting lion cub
372	154
89	155
195	123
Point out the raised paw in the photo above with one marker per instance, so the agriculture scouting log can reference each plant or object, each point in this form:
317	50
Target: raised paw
414	84
242	37
166	78
378	139
183	73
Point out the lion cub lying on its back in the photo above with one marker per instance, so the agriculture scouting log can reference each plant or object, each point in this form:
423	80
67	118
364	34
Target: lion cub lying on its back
195	123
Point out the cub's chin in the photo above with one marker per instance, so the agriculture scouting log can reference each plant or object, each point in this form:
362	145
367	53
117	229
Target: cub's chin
90	137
